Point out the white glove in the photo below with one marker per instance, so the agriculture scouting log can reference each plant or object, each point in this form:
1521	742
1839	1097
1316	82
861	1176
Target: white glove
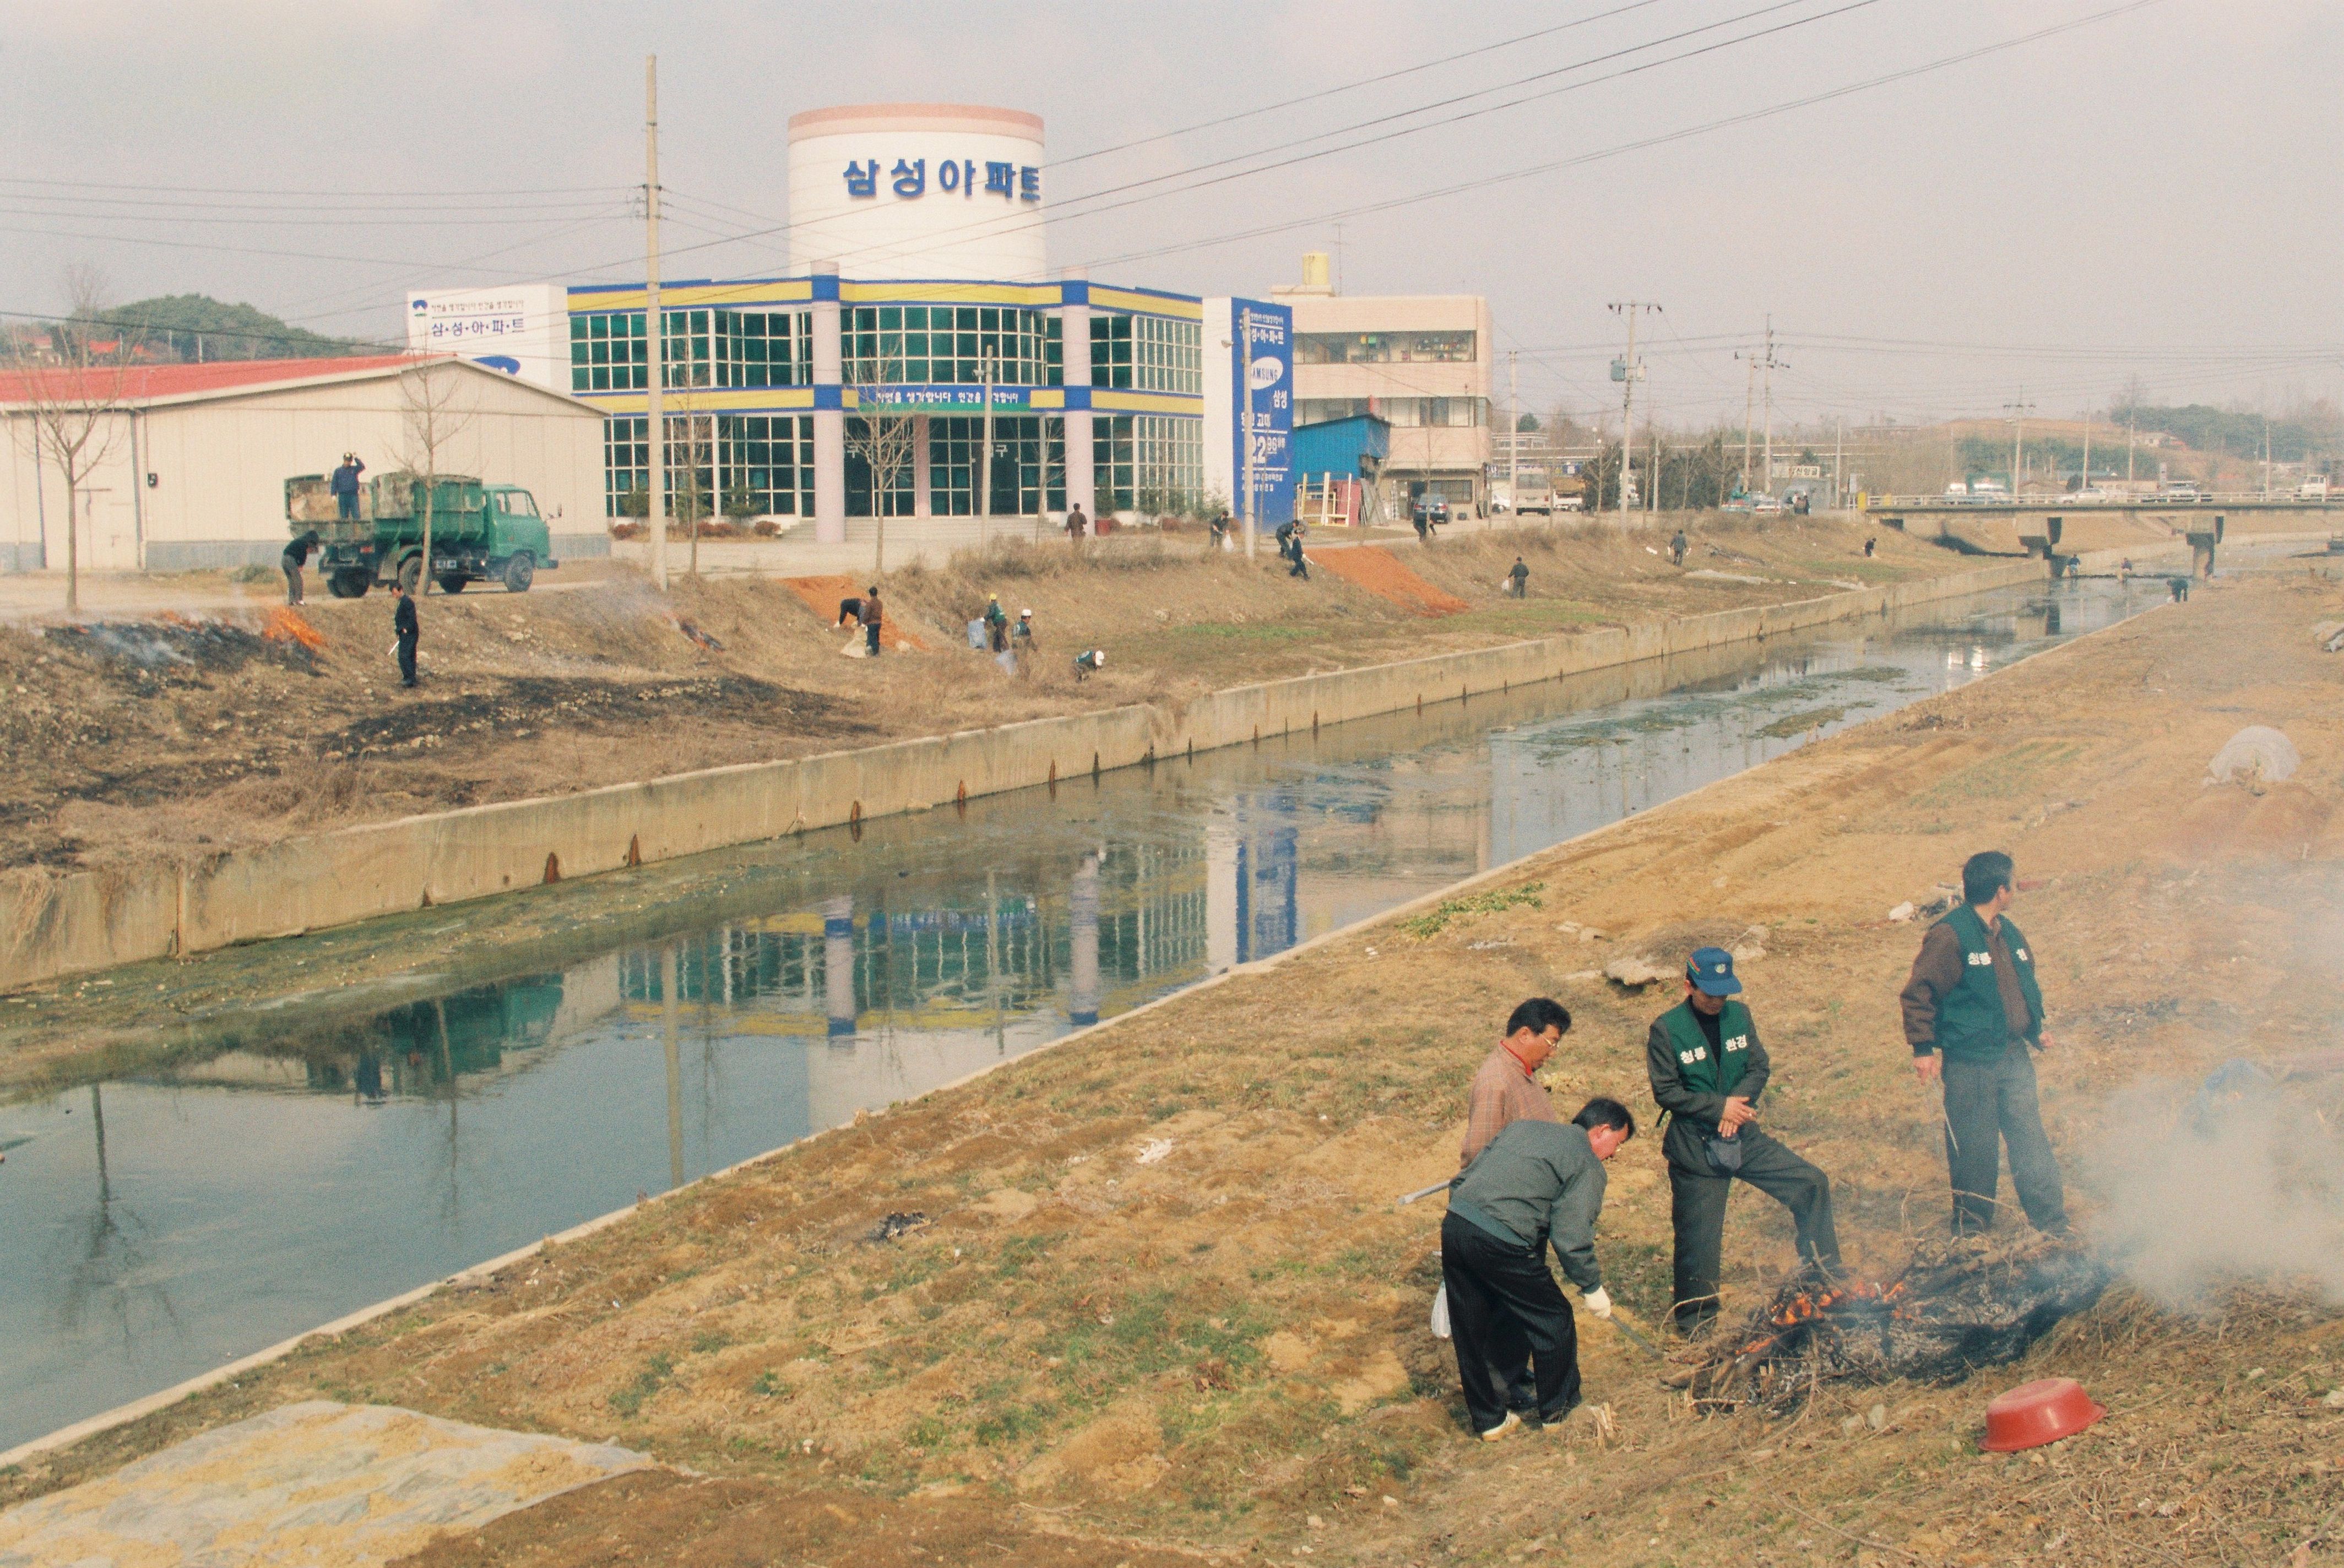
1598	1301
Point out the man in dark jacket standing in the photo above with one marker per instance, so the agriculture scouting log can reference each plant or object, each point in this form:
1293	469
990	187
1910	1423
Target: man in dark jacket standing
871	614
1677	548
1538	1184
1973	1015
1708	1068
345	486
296	557
407	629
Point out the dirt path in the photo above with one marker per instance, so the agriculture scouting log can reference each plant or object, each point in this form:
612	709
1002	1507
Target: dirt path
1161	1300
166	733
1377	570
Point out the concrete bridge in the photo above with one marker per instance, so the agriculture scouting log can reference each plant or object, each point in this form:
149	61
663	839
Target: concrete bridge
2063	525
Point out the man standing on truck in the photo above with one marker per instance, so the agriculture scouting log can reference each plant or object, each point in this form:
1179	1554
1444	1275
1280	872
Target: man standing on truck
346	487
296	557
407	629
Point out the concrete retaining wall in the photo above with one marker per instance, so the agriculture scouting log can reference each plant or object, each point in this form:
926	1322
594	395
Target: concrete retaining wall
51	926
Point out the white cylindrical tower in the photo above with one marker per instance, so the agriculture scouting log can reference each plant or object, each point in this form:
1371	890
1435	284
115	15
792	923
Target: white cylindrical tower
917	190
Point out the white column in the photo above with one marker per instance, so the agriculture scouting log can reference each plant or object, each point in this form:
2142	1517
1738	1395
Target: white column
922	505
1082	482
829	421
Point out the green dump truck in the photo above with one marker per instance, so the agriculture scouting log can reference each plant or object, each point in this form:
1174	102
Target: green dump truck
478	533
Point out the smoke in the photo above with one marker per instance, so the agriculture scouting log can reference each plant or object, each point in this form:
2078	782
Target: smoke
2239	1180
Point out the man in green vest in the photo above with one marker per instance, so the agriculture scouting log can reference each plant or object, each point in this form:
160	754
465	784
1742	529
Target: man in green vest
1972	1013
1707	1070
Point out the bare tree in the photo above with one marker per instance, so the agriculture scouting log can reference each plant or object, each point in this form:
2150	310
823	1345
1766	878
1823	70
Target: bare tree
73	396
696	487
434	411
884	441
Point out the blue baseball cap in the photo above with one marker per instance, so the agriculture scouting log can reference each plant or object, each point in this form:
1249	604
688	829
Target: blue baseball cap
1712	970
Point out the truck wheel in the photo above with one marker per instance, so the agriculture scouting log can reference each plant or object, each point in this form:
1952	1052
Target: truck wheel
411	572
520	571
351	582
453	581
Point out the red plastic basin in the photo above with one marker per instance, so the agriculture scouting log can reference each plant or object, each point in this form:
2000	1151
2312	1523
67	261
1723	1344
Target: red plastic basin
2033	1414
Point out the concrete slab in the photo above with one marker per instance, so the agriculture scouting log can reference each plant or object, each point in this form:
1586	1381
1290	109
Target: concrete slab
318	1484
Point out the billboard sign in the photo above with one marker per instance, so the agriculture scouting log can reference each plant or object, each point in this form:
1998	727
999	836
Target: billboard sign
522	330
1249	394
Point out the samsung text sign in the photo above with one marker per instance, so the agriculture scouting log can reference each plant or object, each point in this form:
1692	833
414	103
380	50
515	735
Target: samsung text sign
910	178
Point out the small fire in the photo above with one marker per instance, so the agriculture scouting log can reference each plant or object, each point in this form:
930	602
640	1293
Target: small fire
285	624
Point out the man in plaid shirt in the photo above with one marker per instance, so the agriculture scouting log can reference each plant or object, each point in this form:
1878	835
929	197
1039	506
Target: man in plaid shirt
1506	1089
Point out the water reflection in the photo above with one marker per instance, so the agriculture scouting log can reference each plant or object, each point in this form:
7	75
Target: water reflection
202	1213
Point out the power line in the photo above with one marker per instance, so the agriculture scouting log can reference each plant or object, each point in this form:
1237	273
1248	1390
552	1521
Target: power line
1642	144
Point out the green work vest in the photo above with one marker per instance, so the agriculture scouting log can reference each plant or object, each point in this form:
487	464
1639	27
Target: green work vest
1700	1067
1971	1023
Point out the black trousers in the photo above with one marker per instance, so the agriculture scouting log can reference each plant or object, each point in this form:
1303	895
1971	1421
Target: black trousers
1989	1105
1497	1289
406	660
870	637
1697	1214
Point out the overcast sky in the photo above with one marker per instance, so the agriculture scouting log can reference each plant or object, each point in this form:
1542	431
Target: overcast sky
2153	193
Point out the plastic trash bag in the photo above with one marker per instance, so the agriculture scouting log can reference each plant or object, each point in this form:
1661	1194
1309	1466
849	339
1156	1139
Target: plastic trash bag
1441	1313
977	638
2256	755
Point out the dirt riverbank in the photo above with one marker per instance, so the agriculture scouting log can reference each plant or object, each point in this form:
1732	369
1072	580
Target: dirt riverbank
128	739
1220	1353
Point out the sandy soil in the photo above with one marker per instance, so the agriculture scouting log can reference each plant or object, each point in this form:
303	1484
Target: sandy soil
1220	1353
127	738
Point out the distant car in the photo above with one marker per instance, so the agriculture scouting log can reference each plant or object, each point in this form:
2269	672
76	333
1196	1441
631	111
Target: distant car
2090	492
2312	488
1431	511
1765	506
2181	490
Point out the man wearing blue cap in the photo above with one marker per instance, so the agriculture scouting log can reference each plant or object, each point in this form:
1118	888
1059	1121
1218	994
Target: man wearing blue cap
1708	1070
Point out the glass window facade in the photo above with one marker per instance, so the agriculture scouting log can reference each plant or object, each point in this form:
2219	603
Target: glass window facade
1147	463
881	487
951	345
716	463
1027	472
1147	354
1384	348
610	353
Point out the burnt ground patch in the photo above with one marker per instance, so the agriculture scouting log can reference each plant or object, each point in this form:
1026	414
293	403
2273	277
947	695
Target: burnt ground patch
174	646
524	705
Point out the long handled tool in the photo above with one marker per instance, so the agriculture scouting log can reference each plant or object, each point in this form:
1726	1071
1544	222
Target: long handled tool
1409	1198
1621	1323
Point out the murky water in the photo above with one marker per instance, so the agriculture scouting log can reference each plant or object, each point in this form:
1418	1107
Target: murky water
160	1226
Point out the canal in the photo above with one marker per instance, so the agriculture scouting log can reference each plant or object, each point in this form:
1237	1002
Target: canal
161	1225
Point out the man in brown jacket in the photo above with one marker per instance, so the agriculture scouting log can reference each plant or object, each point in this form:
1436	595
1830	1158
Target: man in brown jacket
1506	1090
1974	1018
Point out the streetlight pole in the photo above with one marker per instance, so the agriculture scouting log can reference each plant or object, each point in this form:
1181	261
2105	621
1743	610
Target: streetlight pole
985	462
1513	435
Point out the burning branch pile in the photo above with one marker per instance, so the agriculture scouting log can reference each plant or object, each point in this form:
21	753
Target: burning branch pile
1962	1303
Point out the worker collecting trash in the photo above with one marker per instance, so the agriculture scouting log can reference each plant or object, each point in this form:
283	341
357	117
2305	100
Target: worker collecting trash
1089	663
1538	1184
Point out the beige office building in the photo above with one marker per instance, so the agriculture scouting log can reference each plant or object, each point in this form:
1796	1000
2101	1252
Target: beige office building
1418	361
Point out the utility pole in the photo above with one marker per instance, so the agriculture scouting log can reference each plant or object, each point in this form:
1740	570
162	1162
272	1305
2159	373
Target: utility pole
2267	473
2088	451
1839	463
1245	378
1748	404
2017	412
1514	434
655	329
1630	373
2129	450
